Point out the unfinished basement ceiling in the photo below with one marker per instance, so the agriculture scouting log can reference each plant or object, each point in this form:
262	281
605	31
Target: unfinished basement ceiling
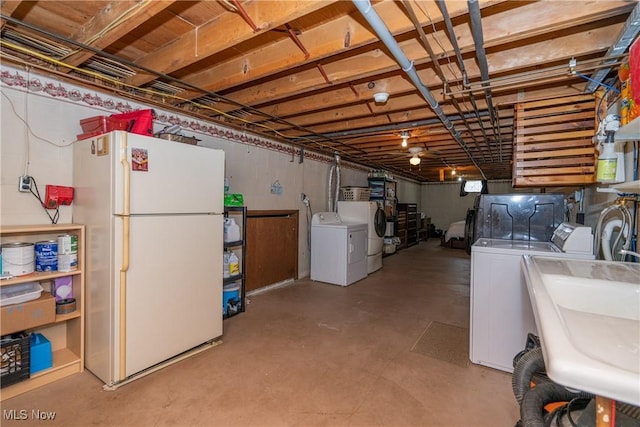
306	71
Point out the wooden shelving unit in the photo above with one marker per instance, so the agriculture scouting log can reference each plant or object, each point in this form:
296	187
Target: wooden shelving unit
66	333
407	224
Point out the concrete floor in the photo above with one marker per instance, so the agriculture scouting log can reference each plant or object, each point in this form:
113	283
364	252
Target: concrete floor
311	354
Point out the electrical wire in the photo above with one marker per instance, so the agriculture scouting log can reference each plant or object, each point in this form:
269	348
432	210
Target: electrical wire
296	140
433	35
596	82
120	83
36	194
30	131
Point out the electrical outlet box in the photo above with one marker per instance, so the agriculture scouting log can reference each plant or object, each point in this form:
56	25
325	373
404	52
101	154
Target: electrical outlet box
24	184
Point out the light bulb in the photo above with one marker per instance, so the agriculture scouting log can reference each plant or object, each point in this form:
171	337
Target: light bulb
453	172
415	160
404	142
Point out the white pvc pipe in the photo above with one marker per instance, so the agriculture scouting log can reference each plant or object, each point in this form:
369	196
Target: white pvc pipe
607	234
605	238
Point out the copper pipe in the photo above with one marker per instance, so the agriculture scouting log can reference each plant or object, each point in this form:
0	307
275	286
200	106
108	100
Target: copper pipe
244	15
297	41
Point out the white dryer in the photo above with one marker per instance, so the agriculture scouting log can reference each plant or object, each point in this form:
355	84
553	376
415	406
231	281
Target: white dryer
338	249
373	215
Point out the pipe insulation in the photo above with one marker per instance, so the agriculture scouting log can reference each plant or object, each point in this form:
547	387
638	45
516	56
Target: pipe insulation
372	17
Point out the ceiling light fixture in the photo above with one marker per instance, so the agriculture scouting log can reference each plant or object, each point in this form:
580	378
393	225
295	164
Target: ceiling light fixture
381	97
415	160
453	172
404	135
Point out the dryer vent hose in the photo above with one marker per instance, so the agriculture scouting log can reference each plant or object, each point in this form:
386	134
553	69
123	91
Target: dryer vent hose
333	186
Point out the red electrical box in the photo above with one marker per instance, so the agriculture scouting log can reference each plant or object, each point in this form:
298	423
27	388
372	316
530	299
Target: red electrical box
57	195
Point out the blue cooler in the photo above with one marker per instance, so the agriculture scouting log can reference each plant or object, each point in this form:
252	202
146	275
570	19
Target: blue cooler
231	299
41	357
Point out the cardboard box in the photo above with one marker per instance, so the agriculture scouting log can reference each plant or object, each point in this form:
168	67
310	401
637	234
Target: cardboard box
27	315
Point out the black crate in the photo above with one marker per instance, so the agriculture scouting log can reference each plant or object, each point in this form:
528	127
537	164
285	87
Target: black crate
14	358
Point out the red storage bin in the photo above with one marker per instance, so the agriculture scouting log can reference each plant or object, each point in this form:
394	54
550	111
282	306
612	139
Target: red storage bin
98	125
139	121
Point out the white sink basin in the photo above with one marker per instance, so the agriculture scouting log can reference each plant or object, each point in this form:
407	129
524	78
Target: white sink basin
588	316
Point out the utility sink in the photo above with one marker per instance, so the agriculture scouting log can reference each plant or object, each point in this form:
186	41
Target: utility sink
588	317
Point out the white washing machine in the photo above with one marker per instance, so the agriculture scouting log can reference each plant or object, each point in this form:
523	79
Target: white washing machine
338	249
501	313
373	215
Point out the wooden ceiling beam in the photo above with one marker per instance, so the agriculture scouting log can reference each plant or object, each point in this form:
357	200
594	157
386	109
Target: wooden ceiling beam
376	61
528	56
96	31
7	8
321	42
208	39
540	18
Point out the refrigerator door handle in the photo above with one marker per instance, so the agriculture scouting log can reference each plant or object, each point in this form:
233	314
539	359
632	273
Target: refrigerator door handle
125	254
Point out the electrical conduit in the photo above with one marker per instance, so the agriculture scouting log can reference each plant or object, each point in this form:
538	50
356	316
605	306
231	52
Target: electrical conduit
372	17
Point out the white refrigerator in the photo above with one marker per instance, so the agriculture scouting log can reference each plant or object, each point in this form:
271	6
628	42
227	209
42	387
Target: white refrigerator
153	211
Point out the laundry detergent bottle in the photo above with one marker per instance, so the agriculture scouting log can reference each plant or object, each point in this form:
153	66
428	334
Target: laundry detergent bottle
231	230
234	264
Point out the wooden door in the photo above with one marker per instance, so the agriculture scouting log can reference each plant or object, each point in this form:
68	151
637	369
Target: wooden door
272	248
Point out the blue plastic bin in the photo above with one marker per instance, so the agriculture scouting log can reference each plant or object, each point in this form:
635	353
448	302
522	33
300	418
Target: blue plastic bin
41	356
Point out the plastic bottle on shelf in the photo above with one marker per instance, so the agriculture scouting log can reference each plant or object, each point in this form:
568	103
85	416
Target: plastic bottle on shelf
607	161
225	264
231	230
234	264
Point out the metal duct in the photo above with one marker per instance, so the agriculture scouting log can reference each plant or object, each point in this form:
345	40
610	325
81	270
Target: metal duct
478	40
372	17
465	76
399	126
443	78
626	37
476	30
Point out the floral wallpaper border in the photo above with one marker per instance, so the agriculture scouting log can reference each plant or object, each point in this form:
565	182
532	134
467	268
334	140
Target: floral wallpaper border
56	89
